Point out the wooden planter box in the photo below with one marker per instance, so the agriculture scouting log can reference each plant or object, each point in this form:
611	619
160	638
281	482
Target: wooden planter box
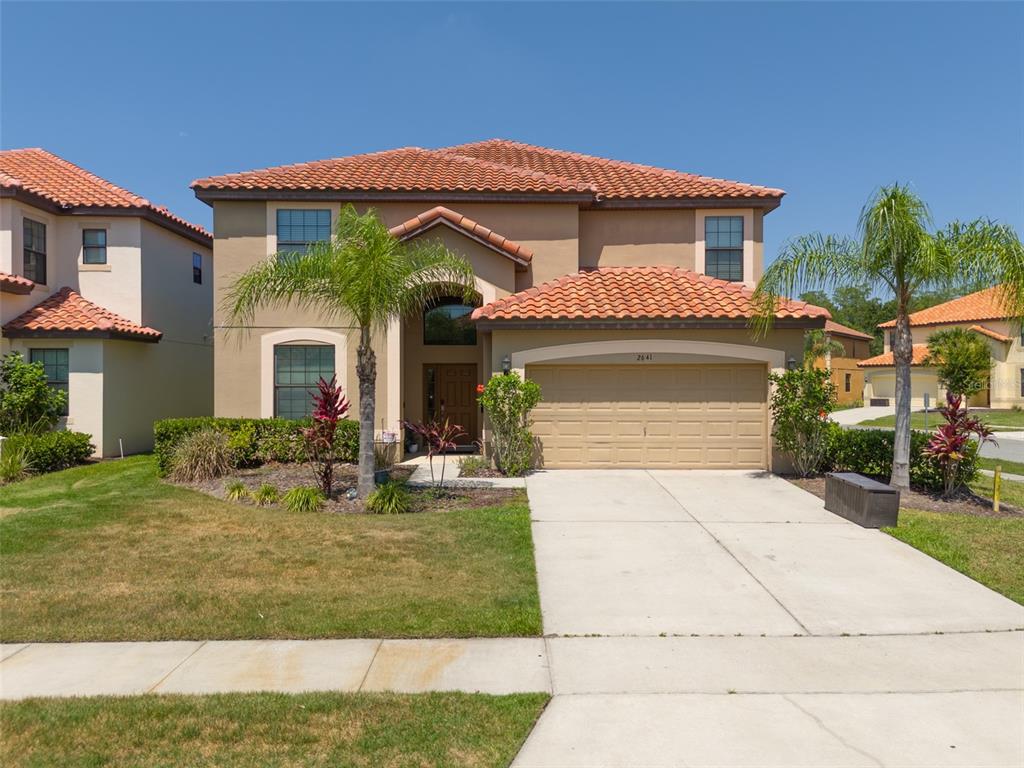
861	500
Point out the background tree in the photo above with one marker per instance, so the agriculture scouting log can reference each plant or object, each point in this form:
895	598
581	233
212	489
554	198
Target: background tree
818	344
962	360
898	251
362	276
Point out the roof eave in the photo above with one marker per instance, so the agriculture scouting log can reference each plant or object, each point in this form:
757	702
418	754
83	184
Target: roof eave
639	323
766	204
29	333
211	194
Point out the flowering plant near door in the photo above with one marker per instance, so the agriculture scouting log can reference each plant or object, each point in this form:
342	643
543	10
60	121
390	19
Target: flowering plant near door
439	437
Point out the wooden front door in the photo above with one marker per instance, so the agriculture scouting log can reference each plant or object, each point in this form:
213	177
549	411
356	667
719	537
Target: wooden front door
450	392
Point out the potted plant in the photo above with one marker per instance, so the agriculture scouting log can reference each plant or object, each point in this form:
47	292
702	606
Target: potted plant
383	461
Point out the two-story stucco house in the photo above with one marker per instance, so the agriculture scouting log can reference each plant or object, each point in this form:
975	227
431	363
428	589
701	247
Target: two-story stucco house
623	289
113	294
983	313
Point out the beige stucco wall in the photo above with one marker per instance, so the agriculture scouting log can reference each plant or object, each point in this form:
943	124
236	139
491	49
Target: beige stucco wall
616	238
881	383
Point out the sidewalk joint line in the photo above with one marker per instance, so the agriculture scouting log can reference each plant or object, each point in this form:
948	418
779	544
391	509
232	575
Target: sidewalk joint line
730	553
369	666
176	667
24	647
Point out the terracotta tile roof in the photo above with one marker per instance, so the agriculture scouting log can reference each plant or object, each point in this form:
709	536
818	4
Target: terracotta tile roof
66	313
982	305
440	214
990	333
834	328
626	293
886	360
64	184
15	283
410	169
612	179
495	166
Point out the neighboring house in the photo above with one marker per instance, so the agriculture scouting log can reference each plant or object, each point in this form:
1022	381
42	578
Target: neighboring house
112	293
981	312
624	290
847	377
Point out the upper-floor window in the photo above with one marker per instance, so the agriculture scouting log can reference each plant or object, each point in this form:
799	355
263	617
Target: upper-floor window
723	247
94	246
448	322
297	228
55	365
197	268
34	245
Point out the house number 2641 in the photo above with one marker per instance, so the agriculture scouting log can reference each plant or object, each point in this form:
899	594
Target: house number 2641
644	357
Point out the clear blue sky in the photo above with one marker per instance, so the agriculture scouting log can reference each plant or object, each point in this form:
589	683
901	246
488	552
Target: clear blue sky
827	101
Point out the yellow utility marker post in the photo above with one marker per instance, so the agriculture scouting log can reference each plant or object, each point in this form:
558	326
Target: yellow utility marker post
996	480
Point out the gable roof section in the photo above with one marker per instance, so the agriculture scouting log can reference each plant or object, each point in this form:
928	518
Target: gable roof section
886	359
612	179
486	170
42	177
990	333
15	284
440	215
638	294
834	328
986	304
66	314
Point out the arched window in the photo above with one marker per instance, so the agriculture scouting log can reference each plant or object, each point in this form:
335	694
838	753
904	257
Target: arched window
447	321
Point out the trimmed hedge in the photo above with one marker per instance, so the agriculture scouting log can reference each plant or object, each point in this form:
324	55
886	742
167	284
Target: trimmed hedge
252	441
51	451
869	452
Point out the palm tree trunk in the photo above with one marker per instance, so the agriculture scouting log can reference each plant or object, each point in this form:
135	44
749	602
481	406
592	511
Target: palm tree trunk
366	372
903	355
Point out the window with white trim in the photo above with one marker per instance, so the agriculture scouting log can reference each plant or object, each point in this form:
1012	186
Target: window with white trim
297	370
297	228
55	365
723	247
94	246
34	251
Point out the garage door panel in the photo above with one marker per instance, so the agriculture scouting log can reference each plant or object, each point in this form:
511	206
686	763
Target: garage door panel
656	416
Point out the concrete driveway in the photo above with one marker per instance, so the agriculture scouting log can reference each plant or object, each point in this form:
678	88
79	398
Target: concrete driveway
847	636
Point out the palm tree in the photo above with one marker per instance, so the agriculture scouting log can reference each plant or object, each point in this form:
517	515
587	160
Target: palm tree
818	344
364	276
898	252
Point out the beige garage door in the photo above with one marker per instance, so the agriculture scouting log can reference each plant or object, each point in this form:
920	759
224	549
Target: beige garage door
682	416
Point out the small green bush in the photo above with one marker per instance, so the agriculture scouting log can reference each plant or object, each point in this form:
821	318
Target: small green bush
243	444
52	451
304	499
472	466
14	464
508	401
236	491
869	452
389	499
201	456
27	403
265	495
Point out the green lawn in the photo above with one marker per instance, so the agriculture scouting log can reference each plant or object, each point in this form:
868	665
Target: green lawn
1009	491
1013	467
989	550
1006	419
110	552
269	729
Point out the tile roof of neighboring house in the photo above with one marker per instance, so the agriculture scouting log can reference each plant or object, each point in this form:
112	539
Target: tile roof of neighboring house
611	178
15	283
441	215
831	326
990	333
636	293
886	360
490	167
67	313
986	304
63	184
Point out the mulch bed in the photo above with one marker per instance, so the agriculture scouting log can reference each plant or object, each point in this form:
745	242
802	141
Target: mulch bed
287	476
964	503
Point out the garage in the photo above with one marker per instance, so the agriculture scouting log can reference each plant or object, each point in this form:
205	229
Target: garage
655	416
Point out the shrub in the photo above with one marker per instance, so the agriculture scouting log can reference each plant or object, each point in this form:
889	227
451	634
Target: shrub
330	405
389	499
52	451
236	491
801	402
508	400
275	439
472	466
869	452
439	437
201	456
27	403
304	499
265	495
14	464
951	442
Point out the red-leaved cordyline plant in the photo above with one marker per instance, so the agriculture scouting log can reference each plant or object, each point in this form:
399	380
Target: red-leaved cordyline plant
329	407
439	437
951	441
